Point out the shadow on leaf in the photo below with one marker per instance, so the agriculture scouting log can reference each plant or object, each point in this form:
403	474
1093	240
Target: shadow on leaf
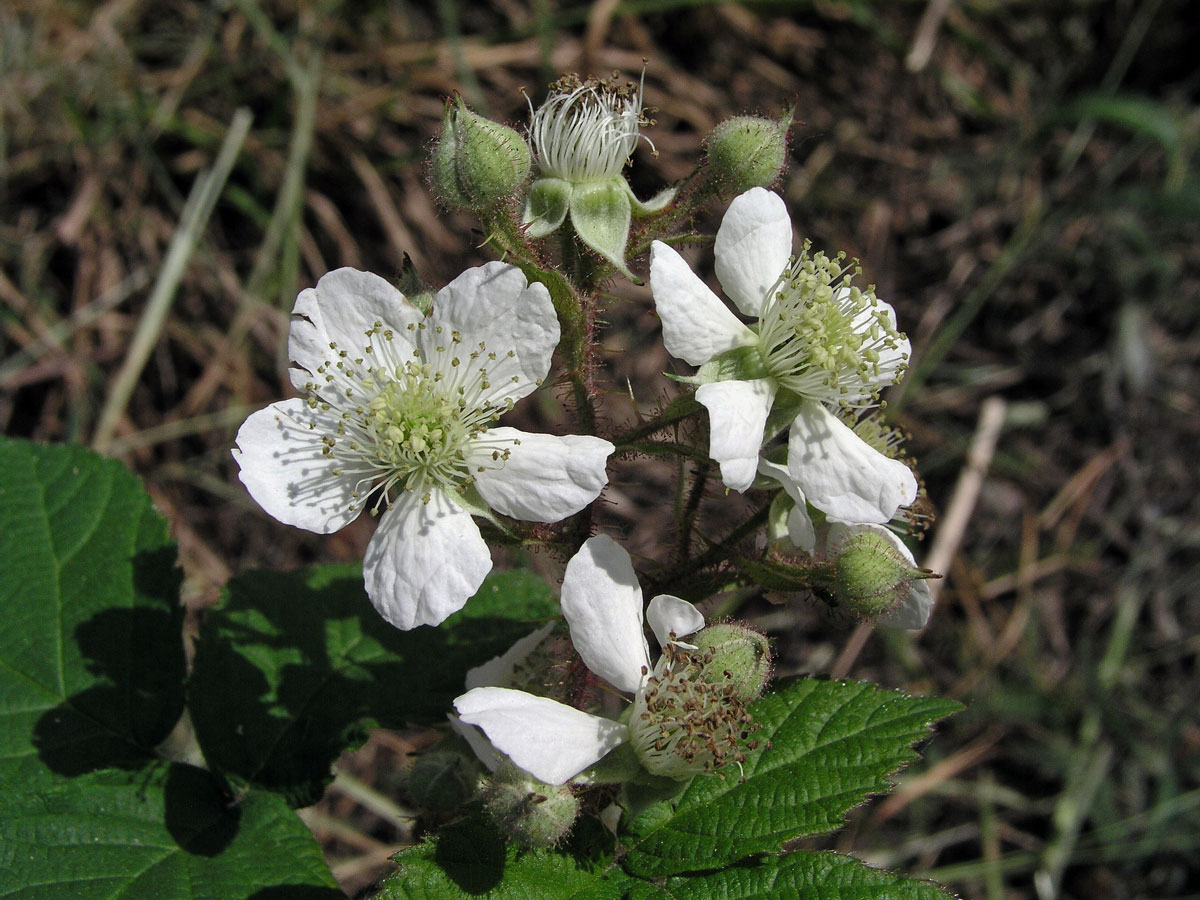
133	665
295	667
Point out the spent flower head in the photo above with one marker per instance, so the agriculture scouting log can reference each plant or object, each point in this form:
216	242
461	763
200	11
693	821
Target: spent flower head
688	713
821	342
587	129
582	137
396	416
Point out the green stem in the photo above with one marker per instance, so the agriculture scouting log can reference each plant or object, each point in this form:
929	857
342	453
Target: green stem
680	408
687	519
714	555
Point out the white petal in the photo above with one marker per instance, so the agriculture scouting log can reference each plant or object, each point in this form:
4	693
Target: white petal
341	309
696	324
914	610
424	560
801	531
495	306
840	474
754	244
602	602
737	412
285	472
669	615
498	670
477	742
549	740
545	478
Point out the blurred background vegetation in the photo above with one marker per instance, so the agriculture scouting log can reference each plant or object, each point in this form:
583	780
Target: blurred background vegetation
1021	180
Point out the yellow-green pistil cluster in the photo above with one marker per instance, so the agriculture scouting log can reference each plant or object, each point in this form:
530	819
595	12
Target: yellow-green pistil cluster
407	424
689	718
820	336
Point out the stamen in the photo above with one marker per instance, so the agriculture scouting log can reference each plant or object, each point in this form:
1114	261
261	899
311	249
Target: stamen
825	338
406	423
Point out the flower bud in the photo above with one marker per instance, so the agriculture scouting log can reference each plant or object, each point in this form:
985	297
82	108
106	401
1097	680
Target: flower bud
736	654
870	575
747	151
477	164
534	813
442	780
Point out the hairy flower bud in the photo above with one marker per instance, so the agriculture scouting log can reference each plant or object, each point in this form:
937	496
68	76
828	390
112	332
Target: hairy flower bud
477	164
747	151
737	654
534	813
871	576
442	780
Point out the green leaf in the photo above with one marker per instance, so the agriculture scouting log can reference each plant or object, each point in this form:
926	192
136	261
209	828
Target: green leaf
295	667
470	861
167	832
798	876
827	745
91	658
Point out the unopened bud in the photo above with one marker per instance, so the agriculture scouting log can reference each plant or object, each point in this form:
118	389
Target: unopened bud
477	164
442	780
737	654
747	151
534	813
872	576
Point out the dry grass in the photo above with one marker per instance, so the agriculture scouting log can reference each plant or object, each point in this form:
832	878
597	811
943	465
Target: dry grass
1019	179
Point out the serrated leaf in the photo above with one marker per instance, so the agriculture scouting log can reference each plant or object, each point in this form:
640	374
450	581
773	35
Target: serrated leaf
471	861
831	745
295	667
167	832
802	875
91	659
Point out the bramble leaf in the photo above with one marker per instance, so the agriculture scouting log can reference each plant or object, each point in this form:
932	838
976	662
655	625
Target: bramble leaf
827	746
91	658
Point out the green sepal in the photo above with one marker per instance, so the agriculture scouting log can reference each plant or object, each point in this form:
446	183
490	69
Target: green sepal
416	291
546	206
616	767
655	205
777	515
783	412
601	214
738	364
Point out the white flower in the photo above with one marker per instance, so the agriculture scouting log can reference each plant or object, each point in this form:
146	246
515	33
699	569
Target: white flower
602	603
819	341
396	416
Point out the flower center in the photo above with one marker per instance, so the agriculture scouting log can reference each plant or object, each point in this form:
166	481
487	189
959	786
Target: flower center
407	424
823	337
688	718
587	130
